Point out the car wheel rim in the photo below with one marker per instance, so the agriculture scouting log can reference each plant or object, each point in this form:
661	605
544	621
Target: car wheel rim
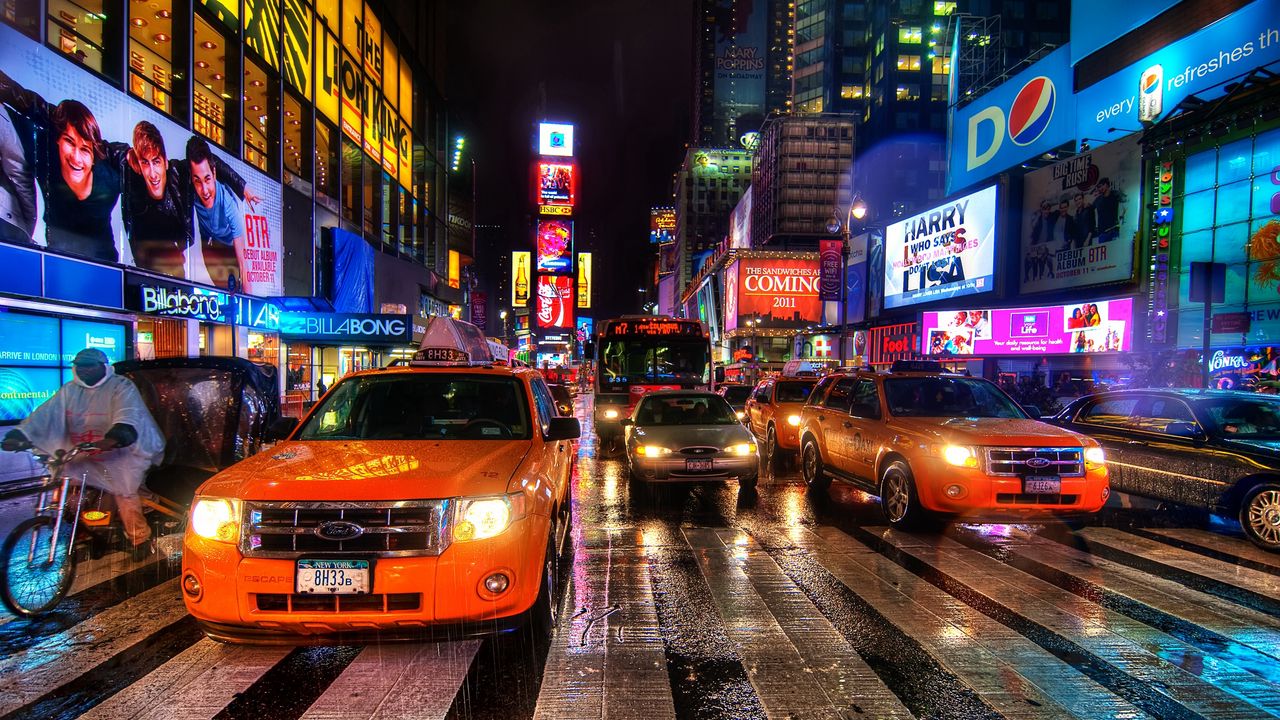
1264	516
771	444
896	498
553	612
810	464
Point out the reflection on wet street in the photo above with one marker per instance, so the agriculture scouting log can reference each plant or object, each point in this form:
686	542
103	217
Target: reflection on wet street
707	601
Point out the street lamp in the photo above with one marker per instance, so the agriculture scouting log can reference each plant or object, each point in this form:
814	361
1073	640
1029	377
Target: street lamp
503	315
857	211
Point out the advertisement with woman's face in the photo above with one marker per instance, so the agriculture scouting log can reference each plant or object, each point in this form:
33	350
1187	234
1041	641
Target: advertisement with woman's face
103	176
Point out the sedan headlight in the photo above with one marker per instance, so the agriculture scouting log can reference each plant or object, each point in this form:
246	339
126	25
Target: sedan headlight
741	449
480	518
1094	456
793	420
960	456
610	414
652	451
216	519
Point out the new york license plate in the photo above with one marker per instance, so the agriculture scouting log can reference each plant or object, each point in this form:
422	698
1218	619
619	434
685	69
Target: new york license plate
699	465
1042	485
337	577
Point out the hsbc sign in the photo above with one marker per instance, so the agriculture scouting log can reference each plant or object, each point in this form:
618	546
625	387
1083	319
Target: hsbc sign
1031	114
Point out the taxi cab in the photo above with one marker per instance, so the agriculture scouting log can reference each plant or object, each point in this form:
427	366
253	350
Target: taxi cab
773	415
428	499
933	445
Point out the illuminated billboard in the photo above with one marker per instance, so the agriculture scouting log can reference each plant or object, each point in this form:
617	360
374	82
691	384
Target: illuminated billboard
662	225
1086	327
776	292
455	269
145	191
555	246
520	275
584	280
946	252
555	301
555	139
557	183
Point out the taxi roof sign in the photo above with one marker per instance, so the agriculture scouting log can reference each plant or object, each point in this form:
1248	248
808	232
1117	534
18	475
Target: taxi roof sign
452	342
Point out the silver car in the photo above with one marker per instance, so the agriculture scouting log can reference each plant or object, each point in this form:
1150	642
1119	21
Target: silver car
682	435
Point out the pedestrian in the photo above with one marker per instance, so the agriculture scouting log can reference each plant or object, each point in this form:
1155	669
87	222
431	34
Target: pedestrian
321	388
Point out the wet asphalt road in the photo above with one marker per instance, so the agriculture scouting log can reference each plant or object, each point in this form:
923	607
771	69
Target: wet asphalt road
704	601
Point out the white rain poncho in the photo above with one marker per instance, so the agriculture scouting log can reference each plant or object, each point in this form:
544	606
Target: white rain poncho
79	413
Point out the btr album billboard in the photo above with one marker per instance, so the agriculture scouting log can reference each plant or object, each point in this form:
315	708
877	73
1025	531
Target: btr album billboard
1088	327
555	246
555	300
946	252
93	172
775	292
1080	219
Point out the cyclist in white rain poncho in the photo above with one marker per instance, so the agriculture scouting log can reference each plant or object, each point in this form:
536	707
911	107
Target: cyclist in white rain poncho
105	409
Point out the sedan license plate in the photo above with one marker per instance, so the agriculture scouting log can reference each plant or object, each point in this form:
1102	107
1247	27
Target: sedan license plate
1042	485
337	577
699	465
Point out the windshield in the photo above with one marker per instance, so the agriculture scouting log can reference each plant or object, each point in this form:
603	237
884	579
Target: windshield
793	392
948	397
1245	418
737	394
629	361
700	409
421	407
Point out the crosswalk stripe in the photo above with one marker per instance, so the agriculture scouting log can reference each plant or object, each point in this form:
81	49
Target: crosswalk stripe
196	684
1199	682
774	613
1012	673
1243	625
1230	546
60	658
607	659
394	682
1257	582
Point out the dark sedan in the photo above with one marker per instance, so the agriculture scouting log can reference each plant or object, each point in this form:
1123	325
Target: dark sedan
1218	450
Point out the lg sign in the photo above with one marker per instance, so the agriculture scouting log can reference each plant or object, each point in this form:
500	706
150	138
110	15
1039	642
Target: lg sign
1028	118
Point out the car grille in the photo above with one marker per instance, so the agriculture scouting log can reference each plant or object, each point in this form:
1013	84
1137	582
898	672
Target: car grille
1021	462
697	451
306	602
1026	499
387	529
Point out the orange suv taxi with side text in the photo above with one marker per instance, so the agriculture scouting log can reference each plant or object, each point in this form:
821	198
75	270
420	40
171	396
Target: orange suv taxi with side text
773	415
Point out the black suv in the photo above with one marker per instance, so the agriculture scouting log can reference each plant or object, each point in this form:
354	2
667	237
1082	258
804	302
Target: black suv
1218	450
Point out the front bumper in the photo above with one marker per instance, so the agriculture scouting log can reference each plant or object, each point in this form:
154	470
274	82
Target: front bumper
673	468
996	497
249	599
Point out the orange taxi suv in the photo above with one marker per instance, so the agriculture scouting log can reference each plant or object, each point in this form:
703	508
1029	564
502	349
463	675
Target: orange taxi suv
935	445
773	415
423	500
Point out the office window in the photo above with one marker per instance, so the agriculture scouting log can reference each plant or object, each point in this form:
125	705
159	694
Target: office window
260	97
210	94
83	30
942	66
151	53
908	92
326	180
910	35
851	92
296	154
908	62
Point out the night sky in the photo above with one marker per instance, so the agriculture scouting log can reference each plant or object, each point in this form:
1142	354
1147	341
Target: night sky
622	71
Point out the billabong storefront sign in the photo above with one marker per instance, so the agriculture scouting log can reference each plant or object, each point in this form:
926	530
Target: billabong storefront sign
157	297
347	328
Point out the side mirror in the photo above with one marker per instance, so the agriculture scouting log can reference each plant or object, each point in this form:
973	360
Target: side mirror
564	428
281	428
625	422
1183	430
1033	411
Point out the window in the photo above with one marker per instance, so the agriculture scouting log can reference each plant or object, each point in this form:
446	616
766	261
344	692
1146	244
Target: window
260	93
351	180
408	213
545	404
942	66
151	53
866	400
947	8
297	153
851	92
372	189
908	92
841	395
1112	413
326	179
390	206
910	35
908	62
210	88
25	17
84	30
1163	415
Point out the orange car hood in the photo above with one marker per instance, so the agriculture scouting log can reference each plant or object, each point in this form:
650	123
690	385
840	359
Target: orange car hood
372	470
994	431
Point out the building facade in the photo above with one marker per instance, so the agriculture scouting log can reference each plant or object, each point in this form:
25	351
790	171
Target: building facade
803	175
707	187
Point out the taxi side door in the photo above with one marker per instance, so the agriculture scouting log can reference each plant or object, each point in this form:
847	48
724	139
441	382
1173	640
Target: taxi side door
836	426
864	428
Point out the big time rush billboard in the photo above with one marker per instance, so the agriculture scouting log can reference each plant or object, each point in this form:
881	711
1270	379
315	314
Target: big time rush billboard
1080	219
555	246
98	174
945	252
1089	327
555	301
775	292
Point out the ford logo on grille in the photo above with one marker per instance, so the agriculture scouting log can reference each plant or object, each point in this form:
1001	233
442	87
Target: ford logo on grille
339	530
1038	462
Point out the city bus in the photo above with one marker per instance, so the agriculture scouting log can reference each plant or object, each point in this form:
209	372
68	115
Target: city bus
636	354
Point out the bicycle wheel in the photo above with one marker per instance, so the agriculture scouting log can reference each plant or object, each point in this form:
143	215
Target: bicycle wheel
30	584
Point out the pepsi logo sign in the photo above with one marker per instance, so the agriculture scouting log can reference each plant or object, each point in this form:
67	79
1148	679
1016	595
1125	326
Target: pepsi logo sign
1032	110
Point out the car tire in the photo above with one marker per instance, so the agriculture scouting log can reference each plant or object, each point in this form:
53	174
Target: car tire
749	484
899	500
1260	516
543	614
815	475
771	459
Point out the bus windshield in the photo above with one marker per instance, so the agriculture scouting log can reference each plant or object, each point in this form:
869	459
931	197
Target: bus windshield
630	361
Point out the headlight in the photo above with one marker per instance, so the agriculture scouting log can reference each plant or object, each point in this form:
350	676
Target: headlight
741	415
793	420
741	449
652	451
1095	456
610	414
216	519
960	456
485	517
